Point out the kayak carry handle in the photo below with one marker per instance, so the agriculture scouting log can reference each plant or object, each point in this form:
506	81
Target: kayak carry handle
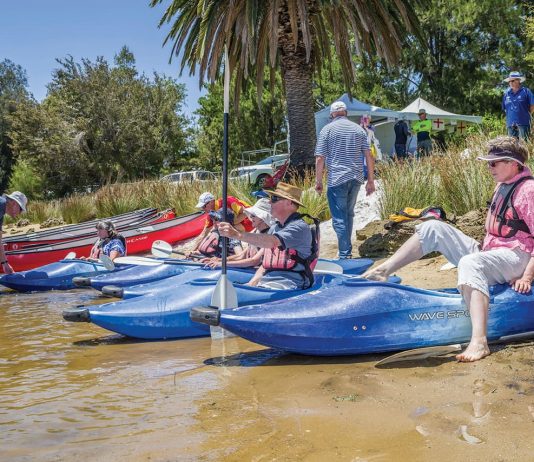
81	281
205	315
77	315
113	291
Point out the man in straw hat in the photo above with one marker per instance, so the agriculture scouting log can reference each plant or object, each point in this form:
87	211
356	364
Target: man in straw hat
518	105
287	245
506	254
13	205
343	146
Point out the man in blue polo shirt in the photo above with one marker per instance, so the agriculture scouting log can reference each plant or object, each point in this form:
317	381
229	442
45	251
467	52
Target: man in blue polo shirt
518	104
342	145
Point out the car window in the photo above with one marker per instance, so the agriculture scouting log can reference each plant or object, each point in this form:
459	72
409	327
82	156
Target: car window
187	176
203	175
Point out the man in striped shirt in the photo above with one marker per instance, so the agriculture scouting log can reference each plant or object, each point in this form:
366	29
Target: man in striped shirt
343	145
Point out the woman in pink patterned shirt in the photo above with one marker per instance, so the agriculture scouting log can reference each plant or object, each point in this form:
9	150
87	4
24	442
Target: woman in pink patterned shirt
507	253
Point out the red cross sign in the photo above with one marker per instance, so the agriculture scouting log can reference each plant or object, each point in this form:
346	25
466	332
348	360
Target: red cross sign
461	127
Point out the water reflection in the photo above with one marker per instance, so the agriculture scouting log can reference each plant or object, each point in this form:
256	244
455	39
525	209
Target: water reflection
64	386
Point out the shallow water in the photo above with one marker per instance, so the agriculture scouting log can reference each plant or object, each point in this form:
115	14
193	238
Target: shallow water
73	391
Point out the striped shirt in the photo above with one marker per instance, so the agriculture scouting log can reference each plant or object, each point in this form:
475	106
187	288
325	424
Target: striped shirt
343	144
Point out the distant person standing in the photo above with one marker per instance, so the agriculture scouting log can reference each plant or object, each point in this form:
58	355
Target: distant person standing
518	105
422	129
13	205
342	145
402	133
374	144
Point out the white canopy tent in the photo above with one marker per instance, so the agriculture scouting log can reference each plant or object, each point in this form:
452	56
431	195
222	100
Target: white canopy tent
383	119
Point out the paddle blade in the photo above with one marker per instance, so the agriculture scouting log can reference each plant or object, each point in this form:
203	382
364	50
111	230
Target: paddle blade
327	267
161	249
140	261
70	256
420	353
224	296
107	262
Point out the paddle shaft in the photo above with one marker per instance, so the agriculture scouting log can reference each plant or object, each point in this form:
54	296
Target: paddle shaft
225	162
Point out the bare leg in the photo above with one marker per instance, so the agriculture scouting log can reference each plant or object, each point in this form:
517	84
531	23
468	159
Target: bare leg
409	252
478	304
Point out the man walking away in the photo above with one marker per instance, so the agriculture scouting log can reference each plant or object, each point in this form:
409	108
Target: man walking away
343	145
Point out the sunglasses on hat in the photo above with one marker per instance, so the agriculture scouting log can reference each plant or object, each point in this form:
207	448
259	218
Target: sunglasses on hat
274	199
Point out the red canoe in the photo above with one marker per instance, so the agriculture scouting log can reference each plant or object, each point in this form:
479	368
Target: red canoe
138	240
85	229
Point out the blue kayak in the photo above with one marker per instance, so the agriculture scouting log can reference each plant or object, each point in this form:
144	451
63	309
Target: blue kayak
116	284
165	314
359	317
54	276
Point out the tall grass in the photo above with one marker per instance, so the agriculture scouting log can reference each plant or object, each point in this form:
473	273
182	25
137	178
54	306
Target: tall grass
76	209
453	179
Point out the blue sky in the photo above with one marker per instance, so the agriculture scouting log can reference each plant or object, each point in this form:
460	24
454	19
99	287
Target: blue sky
33	33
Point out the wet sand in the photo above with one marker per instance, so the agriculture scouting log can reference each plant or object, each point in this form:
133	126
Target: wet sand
76	392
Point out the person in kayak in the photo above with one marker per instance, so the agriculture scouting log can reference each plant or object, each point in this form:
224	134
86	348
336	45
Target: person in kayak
288	253
211	245
260	216
13	205
207	203
506	254
109	242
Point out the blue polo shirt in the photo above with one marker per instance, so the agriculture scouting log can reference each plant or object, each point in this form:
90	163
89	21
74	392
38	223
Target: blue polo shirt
517	106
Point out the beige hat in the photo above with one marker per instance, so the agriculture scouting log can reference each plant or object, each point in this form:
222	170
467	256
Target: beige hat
287	191
262	210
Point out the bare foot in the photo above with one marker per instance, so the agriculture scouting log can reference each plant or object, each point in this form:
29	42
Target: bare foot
376	274
477	349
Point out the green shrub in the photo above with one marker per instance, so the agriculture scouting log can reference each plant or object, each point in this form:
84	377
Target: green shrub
24	178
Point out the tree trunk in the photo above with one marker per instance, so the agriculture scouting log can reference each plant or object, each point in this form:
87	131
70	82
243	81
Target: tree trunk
297	77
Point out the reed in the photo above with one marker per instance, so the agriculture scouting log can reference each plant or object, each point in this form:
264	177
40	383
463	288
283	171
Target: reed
75	209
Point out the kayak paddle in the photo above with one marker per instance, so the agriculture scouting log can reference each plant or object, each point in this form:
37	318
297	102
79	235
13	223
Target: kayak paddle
164	249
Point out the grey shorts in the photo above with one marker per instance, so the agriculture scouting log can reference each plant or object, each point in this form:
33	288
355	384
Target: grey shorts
477	269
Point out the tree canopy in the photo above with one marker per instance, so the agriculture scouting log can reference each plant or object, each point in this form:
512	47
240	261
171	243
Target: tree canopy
101	123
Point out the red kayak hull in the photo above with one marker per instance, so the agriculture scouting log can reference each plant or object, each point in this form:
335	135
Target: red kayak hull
138	240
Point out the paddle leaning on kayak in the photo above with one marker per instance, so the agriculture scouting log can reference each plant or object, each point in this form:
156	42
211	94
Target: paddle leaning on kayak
505	256
289	249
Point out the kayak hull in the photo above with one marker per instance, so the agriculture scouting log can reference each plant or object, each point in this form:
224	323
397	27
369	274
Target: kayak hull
165	315
55	276
138	280
372	317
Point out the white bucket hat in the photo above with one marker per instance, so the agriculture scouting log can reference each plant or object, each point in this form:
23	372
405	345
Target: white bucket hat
204	198
515	76
262	210
19	198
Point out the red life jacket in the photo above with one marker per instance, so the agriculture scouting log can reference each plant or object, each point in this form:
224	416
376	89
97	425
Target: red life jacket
502	219
277	259
210	245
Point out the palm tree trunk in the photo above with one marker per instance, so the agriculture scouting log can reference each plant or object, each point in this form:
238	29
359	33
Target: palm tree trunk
297	78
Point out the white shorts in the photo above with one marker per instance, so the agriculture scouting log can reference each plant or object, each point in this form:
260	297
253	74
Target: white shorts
477	269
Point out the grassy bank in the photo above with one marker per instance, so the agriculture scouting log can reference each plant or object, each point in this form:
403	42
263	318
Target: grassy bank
124	197
453	179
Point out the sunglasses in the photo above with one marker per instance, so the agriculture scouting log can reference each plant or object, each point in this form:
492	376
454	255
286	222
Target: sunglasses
274	199
494	163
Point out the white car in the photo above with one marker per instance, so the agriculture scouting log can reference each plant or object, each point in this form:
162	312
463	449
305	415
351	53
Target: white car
257	173
189	177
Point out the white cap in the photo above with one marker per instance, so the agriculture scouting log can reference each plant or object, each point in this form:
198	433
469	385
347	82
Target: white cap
262	210
204	198
19	198
338	106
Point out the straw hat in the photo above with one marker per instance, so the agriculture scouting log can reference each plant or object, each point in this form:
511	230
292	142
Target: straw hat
515	76
287	191
262	210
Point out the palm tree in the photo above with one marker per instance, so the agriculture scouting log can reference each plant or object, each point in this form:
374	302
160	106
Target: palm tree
295	35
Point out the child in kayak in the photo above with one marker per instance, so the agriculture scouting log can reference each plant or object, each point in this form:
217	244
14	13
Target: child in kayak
507	253
109	242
